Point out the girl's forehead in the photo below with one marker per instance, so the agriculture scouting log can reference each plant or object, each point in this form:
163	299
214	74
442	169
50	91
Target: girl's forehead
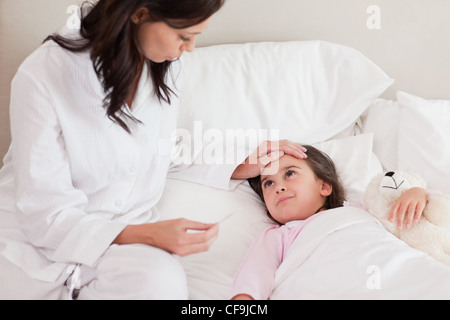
282	164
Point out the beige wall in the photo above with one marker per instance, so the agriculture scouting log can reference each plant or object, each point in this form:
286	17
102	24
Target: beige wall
412	43
24	24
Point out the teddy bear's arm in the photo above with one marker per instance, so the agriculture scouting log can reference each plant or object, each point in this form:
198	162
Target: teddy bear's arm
437	210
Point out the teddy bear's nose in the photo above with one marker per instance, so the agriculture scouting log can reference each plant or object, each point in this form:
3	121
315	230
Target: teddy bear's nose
389	174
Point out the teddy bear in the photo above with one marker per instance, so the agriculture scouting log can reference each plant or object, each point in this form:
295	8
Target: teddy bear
431	234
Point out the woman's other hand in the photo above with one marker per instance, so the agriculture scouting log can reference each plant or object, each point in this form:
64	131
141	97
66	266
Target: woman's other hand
181	237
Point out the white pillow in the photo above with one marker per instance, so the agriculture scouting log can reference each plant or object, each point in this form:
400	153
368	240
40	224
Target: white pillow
309	90
382	119
210	273
424	139
355	162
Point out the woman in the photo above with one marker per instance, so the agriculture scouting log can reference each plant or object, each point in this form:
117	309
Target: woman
92	114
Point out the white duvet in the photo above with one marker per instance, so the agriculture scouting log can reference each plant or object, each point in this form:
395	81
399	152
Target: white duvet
347	254
344	254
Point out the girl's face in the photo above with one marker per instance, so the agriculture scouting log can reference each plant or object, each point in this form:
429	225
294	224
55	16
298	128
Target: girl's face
294	192
159	42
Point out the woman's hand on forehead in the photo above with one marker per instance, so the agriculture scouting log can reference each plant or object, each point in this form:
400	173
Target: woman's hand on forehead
267	153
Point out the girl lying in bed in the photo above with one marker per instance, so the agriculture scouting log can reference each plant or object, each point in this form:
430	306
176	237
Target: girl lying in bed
296	192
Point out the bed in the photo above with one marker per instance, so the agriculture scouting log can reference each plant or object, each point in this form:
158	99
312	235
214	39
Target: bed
311	92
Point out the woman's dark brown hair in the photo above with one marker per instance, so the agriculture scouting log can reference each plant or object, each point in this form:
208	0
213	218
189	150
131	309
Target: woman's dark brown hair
109	33
324	169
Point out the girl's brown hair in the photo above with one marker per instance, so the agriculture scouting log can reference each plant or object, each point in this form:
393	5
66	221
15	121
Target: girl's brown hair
109	33
324	169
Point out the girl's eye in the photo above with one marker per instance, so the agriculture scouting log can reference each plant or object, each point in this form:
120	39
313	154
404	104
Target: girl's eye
268	184
290	174
185	39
